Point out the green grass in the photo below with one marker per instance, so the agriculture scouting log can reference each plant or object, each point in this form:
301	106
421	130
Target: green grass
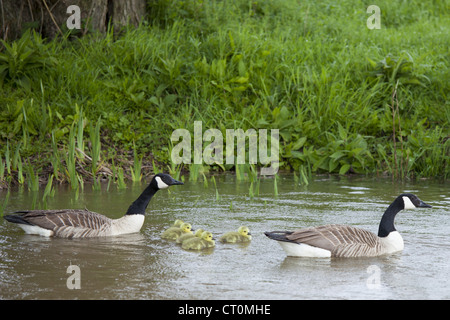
311	69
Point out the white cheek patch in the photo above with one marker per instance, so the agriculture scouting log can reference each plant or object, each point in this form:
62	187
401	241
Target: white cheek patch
161	184
408	203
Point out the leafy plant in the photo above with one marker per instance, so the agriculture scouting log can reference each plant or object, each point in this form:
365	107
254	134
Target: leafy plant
49	190
233	65
22	60
392	69
32	179
136	174
213	179
70	160
94	134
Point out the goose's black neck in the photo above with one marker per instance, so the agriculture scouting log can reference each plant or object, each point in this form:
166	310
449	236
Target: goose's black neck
387	221
141	203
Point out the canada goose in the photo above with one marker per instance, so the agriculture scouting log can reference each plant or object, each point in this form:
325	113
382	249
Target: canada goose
345	241
242	235
206	241
174	232
74	223
184	237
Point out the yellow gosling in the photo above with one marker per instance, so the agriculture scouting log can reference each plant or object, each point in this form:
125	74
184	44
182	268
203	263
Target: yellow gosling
242	235
174	232
184	237
178	223
206	241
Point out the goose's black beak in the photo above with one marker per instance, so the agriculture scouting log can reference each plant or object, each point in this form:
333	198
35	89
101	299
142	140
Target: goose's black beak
175	182
424	205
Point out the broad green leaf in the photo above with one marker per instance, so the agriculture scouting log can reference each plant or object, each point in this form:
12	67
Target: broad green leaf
344	169
299	143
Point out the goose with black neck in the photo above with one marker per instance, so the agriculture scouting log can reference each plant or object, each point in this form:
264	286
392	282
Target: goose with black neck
76	223
335	240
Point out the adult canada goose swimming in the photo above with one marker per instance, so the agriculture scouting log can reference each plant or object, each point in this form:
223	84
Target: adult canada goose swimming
242	235
74	223
335	240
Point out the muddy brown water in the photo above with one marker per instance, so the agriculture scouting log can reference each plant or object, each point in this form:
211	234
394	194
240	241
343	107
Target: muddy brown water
143	266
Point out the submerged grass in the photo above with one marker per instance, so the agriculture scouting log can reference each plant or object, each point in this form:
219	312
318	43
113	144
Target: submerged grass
80	107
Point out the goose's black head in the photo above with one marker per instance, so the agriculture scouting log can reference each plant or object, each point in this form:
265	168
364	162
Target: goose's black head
411	201
403	201
159	181
163	181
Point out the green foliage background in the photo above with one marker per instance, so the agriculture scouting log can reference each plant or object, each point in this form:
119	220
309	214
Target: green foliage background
345	98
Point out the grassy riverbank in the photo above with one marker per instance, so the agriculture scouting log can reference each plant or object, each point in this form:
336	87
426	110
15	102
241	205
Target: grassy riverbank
345	98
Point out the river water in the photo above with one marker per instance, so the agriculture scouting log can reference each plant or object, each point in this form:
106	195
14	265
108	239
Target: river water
143	266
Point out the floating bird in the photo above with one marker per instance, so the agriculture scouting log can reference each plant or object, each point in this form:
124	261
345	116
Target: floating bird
174	232
73	223
206	241
346	241
184	237
178	223
242	235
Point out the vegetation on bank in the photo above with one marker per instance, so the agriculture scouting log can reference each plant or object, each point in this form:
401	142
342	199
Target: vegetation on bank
346	99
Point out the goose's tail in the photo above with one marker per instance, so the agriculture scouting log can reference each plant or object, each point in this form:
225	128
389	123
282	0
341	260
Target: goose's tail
16	218
278	235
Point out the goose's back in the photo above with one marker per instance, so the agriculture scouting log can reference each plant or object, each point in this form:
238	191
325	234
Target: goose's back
70	223
340	240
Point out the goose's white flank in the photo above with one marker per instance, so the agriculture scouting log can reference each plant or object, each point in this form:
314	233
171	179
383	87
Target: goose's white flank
335	240
73	223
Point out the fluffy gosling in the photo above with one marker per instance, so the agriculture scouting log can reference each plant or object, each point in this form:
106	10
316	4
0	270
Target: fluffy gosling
184	237
206	241
242	235
174	232
178	223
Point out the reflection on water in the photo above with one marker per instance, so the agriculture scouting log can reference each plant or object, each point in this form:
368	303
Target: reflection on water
143	266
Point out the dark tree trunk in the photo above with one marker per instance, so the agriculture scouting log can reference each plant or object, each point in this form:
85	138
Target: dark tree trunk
49	17
128	12
99	15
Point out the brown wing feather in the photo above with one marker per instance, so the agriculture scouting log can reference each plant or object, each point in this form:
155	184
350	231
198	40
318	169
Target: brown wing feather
55	219
341	240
